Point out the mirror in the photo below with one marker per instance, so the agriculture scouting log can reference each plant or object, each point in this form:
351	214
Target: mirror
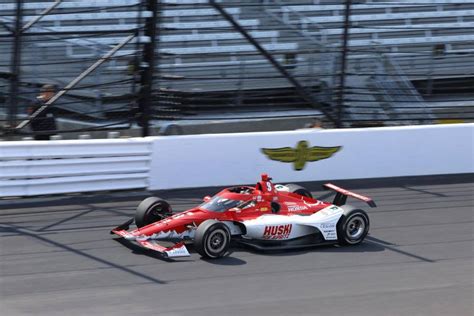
207	198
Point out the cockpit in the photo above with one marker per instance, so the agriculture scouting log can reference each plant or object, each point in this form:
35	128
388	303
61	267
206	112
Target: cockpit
221	204
241	190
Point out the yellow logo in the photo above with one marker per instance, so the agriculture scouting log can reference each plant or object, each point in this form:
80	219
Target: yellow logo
301	154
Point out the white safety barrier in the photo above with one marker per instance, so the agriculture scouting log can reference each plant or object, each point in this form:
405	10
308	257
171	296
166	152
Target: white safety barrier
37	168
229	159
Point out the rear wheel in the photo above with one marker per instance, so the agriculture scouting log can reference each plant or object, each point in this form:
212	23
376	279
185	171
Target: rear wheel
297	189
353	226
151	210
212	239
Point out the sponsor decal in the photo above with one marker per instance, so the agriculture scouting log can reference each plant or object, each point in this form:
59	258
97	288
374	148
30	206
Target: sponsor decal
328	225
296	208
329	234
277	231
301	154
264	209
177	252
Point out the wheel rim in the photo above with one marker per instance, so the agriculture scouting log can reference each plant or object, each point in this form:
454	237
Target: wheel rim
217	240
355	227
157	212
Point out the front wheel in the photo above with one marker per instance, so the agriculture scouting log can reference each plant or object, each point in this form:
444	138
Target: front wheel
353	226
212	239
151	210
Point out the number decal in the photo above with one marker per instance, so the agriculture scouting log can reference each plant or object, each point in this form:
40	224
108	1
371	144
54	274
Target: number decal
269	187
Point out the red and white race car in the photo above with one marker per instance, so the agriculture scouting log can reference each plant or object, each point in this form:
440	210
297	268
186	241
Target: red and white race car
266	216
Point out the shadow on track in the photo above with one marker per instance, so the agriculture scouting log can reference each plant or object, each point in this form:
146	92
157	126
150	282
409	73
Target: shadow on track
392	247
226	261
364	247
25	232
371	244
136	249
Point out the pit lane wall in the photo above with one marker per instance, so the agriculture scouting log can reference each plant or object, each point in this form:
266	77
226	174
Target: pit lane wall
31	168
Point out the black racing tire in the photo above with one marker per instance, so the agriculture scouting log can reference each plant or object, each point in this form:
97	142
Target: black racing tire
353	226
298	189
151	210
212	239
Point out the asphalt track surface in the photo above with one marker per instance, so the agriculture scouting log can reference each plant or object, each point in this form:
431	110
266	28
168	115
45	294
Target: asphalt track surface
57	258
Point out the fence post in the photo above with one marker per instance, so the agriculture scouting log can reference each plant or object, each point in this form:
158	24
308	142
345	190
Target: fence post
15	67
145	98
342	77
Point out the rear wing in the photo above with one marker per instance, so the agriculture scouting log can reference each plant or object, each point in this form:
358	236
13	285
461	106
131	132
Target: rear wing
342	194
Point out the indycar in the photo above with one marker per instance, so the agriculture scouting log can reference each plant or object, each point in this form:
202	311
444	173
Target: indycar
264	216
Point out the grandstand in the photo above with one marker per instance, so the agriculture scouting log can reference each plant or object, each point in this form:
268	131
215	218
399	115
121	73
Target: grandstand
400	55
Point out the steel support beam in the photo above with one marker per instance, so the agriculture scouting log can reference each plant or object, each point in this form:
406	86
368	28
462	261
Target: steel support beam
342	75
74	82
41	15
15	66
145	99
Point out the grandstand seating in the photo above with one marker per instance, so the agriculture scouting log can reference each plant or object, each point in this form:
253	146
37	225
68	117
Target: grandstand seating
194	42
394	24
187	31
427	38
200	48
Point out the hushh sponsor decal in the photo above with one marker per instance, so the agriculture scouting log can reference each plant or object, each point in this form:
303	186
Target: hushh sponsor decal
277	231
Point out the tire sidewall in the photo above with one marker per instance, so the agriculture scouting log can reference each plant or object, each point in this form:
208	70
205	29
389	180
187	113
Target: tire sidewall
343	238
204	234
142	214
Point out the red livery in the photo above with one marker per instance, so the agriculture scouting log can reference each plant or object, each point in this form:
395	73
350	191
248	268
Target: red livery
264	216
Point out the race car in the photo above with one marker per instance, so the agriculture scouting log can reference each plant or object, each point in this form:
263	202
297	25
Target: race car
264	216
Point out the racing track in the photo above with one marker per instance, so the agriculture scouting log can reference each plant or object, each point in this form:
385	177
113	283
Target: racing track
57	258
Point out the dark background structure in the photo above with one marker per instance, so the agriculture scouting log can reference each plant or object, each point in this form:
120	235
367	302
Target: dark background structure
349	63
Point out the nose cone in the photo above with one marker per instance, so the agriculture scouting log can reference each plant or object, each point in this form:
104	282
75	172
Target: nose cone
178	222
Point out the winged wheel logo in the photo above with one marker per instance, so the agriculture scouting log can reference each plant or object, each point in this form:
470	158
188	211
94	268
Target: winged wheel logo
301	154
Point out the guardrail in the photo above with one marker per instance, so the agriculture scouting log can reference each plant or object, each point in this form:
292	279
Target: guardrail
157	163
37	168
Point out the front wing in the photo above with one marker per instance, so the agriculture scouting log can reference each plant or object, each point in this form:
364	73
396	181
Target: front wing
177	250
